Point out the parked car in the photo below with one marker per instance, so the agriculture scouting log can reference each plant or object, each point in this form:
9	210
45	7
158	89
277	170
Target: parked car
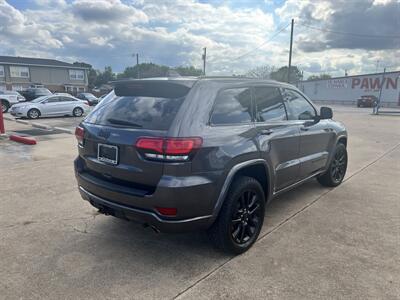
209	153
33	93
92	99
47	106
9	98
62	94
102	97
367	101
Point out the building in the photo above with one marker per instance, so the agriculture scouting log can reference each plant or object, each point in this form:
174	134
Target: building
18	73
348	89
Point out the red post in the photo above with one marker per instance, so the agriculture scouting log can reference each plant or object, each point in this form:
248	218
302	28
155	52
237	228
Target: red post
2	130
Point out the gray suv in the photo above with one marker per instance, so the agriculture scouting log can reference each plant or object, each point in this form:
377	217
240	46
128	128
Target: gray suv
182	154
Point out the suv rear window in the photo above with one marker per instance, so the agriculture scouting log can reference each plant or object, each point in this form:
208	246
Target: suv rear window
143	105
137	112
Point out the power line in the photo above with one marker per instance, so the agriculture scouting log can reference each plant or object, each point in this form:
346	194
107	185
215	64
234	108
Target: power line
258	47
353	34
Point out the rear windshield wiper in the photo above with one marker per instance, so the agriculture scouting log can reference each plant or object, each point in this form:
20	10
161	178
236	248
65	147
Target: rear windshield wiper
123	122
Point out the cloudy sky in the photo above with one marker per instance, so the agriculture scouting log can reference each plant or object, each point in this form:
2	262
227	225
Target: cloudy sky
238	34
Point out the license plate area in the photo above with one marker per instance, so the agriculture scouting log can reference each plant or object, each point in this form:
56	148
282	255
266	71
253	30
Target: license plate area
107	153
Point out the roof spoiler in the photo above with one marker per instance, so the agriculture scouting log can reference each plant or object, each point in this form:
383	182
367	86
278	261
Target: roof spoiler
152	88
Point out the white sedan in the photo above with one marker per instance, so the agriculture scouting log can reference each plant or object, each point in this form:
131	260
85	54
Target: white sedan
48	106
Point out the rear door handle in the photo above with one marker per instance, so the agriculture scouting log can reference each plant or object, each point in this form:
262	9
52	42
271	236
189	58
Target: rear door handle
266	131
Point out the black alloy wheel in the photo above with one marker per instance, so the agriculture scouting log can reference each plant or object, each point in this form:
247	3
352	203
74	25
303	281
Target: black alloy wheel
339	165
246	217
241	216
337	168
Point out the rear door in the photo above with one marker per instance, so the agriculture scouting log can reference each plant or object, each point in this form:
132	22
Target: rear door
144	109
51	106
315	137
278	138
67	104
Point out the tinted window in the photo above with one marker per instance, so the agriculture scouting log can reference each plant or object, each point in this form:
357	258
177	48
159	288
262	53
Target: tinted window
269	104
137	112
299	107
232	106
42	91
53	100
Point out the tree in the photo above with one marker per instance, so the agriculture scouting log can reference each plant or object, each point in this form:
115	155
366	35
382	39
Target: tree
282	74
263	72
92	74
104	77
146	70
188	71
321	76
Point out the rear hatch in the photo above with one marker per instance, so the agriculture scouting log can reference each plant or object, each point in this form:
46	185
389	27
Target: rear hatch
140	108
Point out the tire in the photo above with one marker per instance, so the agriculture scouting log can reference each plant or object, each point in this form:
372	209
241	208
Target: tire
241	217
77	112
5	106
33	113
337	168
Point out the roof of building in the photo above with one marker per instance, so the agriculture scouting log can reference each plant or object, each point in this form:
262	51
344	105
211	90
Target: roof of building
350	76
31	61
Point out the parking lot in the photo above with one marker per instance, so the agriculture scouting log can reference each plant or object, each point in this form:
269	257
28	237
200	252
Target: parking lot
316	242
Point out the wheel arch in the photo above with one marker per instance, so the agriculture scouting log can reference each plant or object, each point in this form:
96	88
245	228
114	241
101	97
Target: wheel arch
34	108
342	140
257	169
79	107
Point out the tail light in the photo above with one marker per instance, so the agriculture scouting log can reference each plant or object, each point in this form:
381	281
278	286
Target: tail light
87	103
168	149
79	133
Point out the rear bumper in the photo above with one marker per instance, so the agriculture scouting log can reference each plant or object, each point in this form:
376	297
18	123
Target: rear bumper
193	197
145	217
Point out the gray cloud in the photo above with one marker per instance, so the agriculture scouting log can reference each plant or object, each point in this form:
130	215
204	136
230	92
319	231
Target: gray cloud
103	11
361	17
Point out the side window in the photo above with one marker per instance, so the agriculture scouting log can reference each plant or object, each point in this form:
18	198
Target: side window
232	106
66	99
298	107
53	100
269	104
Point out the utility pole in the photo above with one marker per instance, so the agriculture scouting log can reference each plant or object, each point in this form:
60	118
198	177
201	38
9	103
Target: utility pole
137	65
204	57
378	104
290	52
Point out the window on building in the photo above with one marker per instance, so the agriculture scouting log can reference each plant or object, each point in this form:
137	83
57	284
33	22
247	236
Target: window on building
269	104
19	72
1	71
76	74
232	106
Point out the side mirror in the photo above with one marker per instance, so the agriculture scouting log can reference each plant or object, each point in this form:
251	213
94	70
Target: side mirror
325	113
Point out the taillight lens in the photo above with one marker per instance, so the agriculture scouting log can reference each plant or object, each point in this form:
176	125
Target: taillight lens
168	149
79	133
152	144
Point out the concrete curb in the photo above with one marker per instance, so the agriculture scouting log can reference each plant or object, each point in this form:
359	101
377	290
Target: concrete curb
9	118
41	126
22	122
64	130
38	125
